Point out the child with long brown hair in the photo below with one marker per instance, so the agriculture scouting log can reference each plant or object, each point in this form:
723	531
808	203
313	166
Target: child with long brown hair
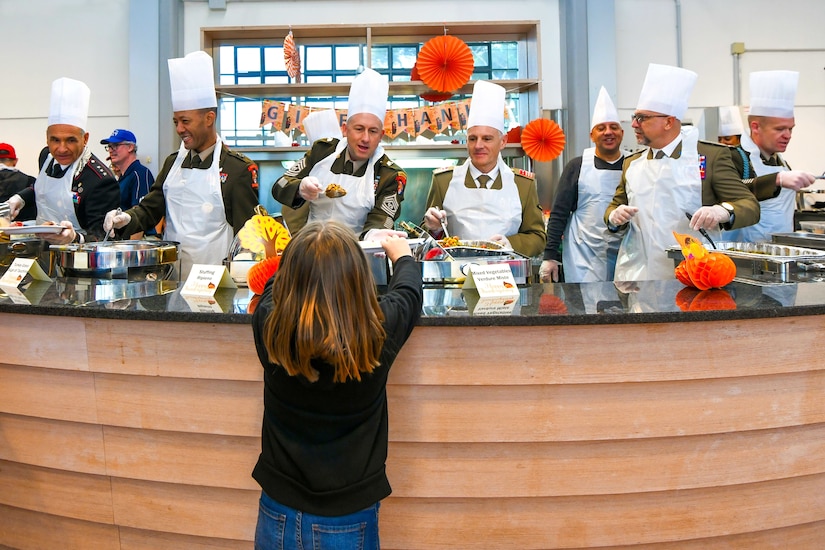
327	341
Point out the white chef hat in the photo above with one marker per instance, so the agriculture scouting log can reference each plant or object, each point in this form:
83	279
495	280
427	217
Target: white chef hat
368	94
667	90
604	110
322	124
730	121
487	106
193	82
69	103
773	93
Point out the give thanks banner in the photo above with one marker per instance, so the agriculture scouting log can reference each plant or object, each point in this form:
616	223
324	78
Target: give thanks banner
434	119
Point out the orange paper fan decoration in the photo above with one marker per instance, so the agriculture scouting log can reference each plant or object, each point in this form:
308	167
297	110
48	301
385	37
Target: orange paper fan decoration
445	63
432	95
542	140
292	57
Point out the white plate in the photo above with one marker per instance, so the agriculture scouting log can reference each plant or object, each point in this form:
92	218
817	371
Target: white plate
372	247
31	229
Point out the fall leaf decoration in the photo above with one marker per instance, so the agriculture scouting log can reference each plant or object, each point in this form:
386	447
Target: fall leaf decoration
702	269
292	57
262	234
542	140
445	63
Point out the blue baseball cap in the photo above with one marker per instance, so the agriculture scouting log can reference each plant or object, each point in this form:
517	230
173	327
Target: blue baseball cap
119	136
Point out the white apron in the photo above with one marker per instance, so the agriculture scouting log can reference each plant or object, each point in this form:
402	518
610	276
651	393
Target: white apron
54	196
663	190
478	214
195	215
589	250
776	214
353	208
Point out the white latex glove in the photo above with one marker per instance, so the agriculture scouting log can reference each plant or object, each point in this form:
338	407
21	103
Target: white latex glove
381	234
549	271
68	235
794	179
502	240
433	217
709	217
310	188
16	203
115	219
622	215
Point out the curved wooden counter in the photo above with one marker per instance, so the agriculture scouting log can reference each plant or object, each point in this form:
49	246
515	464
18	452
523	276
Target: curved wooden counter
123	430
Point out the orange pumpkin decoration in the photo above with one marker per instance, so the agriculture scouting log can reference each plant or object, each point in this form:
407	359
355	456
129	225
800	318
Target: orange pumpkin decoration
253	304
685	297
550	304
261	272
702	269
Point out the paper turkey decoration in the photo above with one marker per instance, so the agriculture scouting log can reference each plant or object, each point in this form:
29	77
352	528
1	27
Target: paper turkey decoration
542	140
445	63
292	57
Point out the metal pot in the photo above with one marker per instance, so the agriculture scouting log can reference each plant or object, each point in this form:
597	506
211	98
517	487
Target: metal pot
25	248
132	260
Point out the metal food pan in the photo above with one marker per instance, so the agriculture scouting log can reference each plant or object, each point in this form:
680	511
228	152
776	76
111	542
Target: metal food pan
771	252
115	254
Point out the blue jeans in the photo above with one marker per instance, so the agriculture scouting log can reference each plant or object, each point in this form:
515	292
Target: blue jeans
283	528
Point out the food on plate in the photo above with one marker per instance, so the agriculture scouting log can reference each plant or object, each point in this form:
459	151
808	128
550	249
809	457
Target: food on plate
334	191
448	242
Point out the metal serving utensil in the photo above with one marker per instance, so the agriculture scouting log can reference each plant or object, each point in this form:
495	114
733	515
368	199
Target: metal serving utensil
444	227
702	231
106	236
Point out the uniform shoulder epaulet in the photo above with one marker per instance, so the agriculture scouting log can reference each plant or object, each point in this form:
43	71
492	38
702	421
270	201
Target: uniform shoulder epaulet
443	169
524	173
388	162
239	156
634	155
714	143
99	169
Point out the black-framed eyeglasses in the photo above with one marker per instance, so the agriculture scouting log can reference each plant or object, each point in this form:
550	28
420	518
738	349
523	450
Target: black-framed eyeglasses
641	118
110	146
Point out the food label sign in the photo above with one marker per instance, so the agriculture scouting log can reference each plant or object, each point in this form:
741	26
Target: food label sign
494	280
21	267
204	280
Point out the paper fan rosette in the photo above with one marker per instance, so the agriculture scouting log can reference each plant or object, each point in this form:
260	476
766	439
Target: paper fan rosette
445	63
542	140
292	57
431	95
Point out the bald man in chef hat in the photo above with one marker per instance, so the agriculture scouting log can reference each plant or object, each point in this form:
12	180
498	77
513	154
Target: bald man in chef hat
206	190
586	185
483	198
730	128
676	174
759	161
373	184
74	188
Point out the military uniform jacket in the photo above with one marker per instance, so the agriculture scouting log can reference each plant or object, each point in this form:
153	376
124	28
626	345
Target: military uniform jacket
721	183
96	191
764	187
531	237
13	182
239	188
390	182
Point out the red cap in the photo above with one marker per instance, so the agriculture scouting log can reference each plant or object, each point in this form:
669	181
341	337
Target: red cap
7	152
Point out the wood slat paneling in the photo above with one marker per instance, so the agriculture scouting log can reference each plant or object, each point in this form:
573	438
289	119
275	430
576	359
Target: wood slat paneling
581	522
43	341
505	470
31	392
178	350
579	354
52	444
27	530
68	494
136	539
180	404
186	510
582	412
178	457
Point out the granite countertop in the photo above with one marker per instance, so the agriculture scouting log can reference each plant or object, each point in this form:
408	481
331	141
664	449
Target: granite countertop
536	305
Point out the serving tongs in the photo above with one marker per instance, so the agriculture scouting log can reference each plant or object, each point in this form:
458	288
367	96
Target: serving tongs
702	231
5	210
423	251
